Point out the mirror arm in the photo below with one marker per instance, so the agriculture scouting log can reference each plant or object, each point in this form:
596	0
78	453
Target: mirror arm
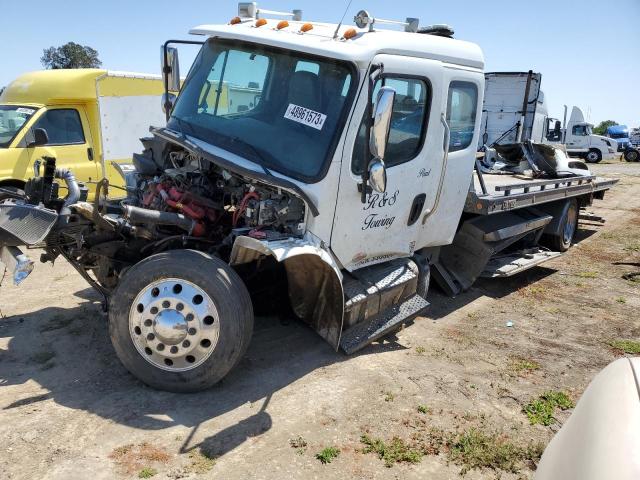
166	69
376	72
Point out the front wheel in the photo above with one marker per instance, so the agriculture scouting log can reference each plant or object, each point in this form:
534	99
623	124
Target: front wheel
180	320
632	155
594	156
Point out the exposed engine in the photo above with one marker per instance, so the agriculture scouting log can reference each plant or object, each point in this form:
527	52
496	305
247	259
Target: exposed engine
174	200
215	202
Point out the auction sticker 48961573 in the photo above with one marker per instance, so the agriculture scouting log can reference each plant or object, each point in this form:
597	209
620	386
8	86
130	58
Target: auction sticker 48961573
305	116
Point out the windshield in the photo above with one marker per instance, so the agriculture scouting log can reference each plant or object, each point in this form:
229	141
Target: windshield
619	135
12	118
279	108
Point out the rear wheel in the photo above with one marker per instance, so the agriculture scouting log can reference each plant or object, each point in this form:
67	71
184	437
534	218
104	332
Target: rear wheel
594	156
632	155
568	227
180	320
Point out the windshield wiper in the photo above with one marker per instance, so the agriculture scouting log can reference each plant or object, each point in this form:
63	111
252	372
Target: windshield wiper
253	150
180	123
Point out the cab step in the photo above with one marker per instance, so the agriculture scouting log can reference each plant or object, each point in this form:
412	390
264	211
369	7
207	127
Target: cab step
380	298
362	334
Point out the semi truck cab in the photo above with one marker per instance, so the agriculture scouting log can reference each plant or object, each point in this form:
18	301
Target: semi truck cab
580	140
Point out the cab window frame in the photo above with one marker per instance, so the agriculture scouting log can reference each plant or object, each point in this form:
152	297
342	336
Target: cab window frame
79	117
425	119
458	82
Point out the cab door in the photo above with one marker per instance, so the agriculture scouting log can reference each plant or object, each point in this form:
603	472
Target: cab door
69	141
387	225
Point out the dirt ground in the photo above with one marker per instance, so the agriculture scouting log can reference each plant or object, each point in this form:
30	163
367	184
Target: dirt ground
69	410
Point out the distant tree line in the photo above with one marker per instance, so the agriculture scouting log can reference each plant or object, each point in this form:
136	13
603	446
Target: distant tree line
601	128
70	55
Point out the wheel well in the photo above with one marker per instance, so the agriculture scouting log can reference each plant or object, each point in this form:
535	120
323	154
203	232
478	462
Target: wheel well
13	183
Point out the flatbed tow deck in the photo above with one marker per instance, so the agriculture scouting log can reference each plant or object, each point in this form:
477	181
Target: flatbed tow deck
503	210
493	194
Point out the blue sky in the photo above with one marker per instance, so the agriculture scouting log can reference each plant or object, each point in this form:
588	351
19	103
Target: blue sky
588	51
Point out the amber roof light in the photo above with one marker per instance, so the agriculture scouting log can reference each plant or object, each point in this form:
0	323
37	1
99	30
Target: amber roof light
235	21
282	24
306	27
261	22
349	34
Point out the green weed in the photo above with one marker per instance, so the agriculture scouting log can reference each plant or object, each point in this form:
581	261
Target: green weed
542	409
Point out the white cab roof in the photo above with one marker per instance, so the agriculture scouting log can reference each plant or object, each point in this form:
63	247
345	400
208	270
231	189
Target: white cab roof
360	49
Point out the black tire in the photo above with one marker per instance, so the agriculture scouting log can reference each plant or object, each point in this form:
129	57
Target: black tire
632	155
568	228
225	289
10	192
594	156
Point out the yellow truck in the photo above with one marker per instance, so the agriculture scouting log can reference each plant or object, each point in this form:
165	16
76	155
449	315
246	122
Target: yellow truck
91	120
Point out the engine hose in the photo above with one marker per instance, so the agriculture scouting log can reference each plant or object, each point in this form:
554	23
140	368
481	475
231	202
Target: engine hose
73	194
72	185
155	217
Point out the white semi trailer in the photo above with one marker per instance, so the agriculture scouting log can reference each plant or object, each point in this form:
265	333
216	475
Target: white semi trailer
339	193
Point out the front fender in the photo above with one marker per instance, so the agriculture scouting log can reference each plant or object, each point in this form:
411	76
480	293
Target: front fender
315	280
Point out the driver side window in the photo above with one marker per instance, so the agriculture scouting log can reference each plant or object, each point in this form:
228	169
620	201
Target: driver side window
408	123
579	130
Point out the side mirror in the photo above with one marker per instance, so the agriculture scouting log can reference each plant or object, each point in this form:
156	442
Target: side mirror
40	138
168	100
379	136
377	175
171	68
381	122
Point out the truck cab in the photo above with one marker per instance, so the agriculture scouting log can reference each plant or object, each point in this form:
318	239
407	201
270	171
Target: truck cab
90	119
580	140
620	133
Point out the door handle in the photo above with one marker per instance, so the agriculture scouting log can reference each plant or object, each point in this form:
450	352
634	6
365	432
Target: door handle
90	153
416	208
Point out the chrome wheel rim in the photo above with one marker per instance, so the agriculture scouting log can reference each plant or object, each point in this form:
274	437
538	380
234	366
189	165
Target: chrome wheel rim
174	324
592	156
570	225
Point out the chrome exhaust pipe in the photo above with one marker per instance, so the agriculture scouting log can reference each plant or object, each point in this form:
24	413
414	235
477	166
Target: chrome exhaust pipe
16	262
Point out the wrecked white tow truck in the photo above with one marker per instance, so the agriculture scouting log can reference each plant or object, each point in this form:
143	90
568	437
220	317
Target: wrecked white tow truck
337	187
